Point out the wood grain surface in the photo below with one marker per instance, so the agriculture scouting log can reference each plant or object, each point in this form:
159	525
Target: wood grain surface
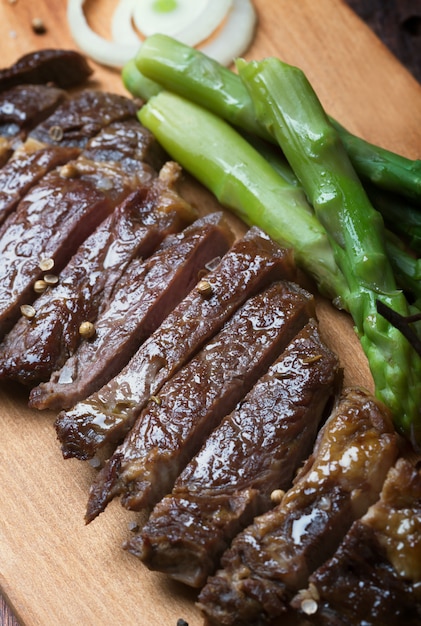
54	569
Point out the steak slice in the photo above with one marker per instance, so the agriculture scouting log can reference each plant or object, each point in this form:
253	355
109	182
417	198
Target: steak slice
252	263
375	575
21	109
127	143
124	142
271	560
255	450
51	221
82	116
28	165
145	294
65	68
35	348
173	426
24	106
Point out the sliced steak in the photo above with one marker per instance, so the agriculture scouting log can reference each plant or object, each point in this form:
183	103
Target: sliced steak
145	294
126	142
24	106
255	450
81	117
25	169
104	418
35	348
173	426
271	560
65	68
374	578
51	221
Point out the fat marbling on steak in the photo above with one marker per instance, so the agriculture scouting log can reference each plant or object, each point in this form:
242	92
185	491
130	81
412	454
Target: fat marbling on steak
374	577
173	426
35	348
272	559
103	419
146	292
254	451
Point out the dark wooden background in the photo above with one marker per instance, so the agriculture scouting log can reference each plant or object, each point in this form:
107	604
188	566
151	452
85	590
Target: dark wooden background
398	24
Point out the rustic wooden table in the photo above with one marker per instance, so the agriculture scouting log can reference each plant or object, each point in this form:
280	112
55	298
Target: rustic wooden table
398	24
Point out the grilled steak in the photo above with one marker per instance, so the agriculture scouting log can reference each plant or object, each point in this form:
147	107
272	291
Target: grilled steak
146	292
271	560
252	263
124	142
81	117
51	221
25	169
35	348
254	451
64	68
374	578
24	106
21	109
127	143
172	428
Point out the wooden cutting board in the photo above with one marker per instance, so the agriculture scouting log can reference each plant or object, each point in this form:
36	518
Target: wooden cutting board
53	568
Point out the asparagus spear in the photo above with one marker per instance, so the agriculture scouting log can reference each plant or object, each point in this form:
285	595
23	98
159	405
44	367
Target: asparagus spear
400	215
285	103
406	268
190	73
243	181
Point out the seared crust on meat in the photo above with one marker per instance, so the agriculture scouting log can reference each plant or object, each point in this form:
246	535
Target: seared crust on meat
170	431
146	292
255	450
103	419
375	575
31	352
272	559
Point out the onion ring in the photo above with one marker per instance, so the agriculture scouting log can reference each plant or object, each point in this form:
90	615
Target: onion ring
222	29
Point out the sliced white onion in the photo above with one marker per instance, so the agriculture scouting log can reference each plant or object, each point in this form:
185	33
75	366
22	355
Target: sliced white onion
235	35
189	23
98	48
227	27
121	24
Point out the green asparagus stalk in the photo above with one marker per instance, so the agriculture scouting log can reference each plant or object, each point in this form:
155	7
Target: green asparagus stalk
243	181
136	83
190	73
386	169
406	268
399	214
285	103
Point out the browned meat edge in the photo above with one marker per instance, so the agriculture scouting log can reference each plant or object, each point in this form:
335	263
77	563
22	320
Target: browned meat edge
252	263
173	426
271	560
25	170
127	143
255	450
65	68
35	348
51	221
375	575
147	291
81	117
24	106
